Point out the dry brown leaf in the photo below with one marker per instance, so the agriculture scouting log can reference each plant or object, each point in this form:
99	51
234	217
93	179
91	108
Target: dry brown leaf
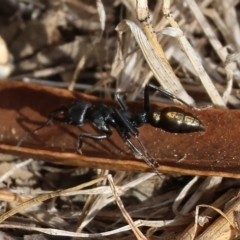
24	107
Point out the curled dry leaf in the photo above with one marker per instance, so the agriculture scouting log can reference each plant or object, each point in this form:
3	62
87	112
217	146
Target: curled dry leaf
24	107
156	59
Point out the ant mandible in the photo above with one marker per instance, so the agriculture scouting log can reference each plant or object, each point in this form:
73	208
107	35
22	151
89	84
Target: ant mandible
170	119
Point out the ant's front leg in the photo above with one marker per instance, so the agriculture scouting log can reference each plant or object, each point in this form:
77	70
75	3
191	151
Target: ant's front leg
149	161
88	135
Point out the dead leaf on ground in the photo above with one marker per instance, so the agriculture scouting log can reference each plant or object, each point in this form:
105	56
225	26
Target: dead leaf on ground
24	107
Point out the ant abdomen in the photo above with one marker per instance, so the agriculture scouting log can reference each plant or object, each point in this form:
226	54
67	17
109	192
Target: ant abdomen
175	120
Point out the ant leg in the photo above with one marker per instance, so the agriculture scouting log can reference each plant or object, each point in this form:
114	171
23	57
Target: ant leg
167	94
150	162
146	99
88	135
121	102
133	130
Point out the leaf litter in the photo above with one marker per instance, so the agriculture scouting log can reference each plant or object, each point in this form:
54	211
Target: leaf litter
72	44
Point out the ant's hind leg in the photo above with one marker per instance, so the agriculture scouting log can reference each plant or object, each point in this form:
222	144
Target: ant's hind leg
121	102
88	135
167	94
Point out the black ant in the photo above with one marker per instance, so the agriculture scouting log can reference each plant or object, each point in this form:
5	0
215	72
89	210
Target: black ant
170	119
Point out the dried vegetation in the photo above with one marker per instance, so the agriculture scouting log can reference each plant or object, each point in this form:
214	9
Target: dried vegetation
100	48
